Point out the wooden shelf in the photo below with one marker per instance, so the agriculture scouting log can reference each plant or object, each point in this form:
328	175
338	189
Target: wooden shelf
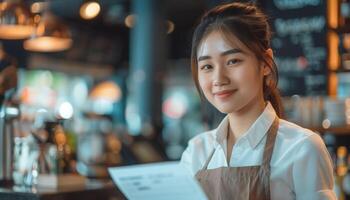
341	29
340	71
340	130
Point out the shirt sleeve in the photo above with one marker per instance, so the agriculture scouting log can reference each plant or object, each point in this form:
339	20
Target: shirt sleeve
313	171
186	158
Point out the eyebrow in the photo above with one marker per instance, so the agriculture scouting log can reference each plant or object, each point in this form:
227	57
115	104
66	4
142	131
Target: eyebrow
231	51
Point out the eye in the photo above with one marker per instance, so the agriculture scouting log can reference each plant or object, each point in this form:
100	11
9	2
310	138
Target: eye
206	67
233	61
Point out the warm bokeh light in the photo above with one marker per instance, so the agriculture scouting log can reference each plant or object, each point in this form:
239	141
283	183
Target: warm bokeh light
342	168
47	44
333	44
38	7
13	32
107	90
326	123
89	10
171	27
16	21
332	11
332	84
130	21
51	35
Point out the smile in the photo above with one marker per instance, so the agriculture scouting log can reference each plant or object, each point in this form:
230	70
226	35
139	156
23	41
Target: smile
224	94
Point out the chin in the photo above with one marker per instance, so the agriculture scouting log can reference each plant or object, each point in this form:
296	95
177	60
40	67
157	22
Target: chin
230	107
227	109
224	111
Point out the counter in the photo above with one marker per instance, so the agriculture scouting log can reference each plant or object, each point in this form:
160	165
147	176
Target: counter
102	190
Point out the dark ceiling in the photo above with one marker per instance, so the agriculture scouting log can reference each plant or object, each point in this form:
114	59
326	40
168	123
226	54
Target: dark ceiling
182	12
110	25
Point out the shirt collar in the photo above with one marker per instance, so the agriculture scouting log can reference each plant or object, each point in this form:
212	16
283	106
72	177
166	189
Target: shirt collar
257	130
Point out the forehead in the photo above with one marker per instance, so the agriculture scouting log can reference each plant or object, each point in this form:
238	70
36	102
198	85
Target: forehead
217	41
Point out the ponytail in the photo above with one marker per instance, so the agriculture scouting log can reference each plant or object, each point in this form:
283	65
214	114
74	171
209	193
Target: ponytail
275	99
270	90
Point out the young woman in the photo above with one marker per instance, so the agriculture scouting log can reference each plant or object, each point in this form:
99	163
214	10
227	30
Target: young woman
252	154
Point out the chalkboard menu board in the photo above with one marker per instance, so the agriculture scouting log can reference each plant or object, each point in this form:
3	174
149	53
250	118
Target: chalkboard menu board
299	44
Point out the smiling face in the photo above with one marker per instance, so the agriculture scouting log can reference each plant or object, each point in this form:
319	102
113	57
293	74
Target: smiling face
229	74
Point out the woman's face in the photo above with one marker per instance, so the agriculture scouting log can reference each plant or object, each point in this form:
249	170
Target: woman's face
228	73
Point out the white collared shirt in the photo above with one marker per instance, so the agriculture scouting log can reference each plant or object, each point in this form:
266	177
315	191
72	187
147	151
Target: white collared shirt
301	166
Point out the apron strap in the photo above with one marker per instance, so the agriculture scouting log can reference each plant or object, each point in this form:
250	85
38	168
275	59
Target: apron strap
270	143
209	158
268	150
265	169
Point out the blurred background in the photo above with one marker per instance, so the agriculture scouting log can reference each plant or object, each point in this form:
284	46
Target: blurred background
90	84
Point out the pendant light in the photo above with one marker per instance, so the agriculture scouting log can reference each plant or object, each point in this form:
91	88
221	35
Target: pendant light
89	9
51	35
16	21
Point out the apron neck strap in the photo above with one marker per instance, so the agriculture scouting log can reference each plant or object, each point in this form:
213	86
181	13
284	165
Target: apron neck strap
268	150
270	142
209	158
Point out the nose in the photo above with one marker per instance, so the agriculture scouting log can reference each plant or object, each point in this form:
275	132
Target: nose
220	77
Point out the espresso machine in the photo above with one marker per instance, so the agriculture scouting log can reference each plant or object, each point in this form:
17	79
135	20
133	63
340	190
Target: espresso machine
9	111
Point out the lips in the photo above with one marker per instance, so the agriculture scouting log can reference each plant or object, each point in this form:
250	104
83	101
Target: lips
224	93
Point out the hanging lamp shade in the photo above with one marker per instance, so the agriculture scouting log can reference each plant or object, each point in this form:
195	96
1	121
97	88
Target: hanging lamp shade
16	21
107	90
89	9
51	35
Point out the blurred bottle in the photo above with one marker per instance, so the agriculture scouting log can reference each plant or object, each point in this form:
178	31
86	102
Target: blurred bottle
64	150
341	171
98	148
344	36
346	180
54	150
345	12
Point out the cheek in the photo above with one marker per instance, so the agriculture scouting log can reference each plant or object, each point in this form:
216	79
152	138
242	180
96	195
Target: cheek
241	75
204	83
248	77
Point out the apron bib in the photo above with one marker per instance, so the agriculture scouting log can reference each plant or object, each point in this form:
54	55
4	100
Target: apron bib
240	183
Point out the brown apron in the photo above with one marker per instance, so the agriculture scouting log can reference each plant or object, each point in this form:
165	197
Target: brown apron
240	183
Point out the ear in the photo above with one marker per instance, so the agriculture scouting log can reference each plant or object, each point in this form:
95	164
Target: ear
269	52
266	69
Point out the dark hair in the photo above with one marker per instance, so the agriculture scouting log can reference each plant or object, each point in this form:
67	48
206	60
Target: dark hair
251	27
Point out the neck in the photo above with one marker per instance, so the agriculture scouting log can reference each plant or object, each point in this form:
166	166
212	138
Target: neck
241	120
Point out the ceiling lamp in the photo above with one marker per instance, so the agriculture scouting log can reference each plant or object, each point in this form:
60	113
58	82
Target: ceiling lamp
107	90
38	7
16	21
130	21
51	35
89	9
170	26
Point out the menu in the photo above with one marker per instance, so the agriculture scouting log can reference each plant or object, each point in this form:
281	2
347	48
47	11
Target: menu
299	44
157	181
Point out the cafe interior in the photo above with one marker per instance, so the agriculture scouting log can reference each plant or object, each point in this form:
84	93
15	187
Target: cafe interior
90	84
